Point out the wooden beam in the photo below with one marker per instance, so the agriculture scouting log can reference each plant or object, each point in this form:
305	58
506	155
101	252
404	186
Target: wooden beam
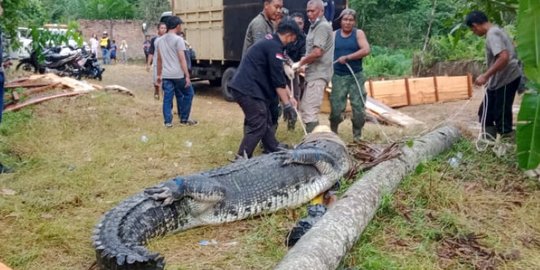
29	102
26	85
41	89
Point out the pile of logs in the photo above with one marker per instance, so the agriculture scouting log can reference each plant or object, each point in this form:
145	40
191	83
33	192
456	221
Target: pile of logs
39	88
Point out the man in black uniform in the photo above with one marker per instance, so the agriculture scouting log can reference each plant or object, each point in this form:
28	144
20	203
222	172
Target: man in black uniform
259	81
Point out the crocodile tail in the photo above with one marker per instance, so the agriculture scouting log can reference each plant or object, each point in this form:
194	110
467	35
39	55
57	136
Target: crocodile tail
119	237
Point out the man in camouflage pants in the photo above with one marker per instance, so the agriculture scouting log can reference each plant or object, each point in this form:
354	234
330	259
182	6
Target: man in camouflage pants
351	46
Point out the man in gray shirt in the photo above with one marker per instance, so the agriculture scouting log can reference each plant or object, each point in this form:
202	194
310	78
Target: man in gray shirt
262	24
319	57
173	74
502	77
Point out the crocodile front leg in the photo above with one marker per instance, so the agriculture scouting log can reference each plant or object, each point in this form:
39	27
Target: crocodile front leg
323	161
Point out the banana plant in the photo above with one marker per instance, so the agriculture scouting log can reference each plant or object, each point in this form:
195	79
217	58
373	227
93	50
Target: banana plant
528	125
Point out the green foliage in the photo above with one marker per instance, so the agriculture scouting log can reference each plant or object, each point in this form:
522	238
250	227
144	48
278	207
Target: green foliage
42	38
386	63
108	9
402	23
19	13
528	127
150	10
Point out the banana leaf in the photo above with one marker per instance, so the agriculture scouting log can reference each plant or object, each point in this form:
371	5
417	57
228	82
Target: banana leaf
528	125
528	131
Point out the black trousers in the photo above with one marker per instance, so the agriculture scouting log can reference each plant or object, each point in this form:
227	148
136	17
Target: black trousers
499	107
257	126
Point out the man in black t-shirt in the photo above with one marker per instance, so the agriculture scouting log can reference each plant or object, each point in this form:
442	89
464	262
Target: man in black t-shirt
259	81
152	57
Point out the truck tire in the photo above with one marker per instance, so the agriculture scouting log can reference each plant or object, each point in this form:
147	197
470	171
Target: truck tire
227	76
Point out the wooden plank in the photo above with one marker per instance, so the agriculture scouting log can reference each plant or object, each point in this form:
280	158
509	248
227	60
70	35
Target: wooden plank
29	102
25	84
390	114
422	91
452	88
41	89
391	92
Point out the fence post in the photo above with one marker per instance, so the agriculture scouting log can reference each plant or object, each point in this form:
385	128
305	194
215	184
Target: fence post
469	84
408	91
436	88
371	88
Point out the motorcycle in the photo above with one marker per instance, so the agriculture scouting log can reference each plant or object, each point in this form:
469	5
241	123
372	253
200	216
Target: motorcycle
58	60
90	67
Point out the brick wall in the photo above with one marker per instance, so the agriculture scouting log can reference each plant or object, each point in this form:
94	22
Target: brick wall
130	30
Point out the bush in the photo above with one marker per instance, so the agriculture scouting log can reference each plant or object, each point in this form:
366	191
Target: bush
386	63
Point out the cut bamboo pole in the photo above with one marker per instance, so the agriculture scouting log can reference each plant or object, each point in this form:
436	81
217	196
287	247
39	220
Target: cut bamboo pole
327	242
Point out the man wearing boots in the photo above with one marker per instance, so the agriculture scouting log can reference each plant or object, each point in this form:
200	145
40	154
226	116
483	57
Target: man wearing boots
319	56
351	46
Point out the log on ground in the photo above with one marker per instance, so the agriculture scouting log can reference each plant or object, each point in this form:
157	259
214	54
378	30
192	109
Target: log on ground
325	245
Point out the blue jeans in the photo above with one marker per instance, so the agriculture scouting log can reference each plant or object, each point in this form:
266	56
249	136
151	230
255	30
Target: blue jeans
105	56
184	97
1	94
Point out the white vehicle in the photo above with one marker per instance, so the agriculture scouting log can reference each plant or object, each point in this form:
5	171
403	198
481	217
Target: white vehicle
25	44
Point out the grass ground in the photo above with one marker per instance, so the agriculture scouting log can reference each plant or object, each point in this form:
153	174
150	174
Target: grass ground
76	158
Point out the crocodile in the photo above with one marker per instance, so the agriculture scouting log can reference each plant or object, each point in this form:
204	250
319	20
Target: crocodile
249	187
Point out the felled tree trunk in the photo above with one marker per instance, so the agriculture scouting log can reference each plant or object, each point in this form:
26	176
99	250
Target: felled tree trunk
327	242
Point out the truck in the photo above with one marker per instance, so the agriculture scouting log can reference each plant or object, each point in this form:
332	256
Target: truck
216	29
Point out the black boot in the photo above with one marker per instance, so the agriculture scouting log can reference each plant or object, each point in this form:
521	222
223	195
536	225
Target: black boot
311	126
490	133
334	127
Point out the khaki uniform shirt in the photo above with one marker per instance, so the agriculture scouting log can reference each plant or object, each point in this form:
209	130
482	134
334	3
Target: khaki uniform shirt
257	29
320	35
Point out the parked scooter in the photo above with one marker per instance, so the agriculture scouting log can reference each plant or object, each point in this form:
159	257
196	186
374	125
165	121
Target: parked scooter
90	67
62	64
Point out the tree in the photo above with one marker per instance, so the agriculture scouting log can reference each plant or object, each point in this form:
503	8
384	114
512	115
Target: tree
108	9
150	10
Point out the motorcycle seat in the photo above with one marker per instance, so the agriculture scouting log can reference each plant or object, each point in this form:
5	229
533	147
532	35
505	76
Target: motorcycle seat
56	57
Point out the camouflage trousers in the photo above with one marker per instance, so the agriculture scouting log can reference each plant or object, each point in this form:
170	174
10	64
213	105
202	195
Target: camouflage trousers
344	87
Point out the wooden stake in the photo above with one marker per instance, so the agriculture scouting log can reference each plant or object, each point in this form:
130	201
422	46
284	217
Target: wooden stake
436	88
408	91
371	88
469	84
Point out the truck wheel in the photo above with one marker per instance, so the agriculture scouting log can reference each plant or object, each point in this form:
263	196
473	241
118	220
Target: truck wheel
215	82
227	76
